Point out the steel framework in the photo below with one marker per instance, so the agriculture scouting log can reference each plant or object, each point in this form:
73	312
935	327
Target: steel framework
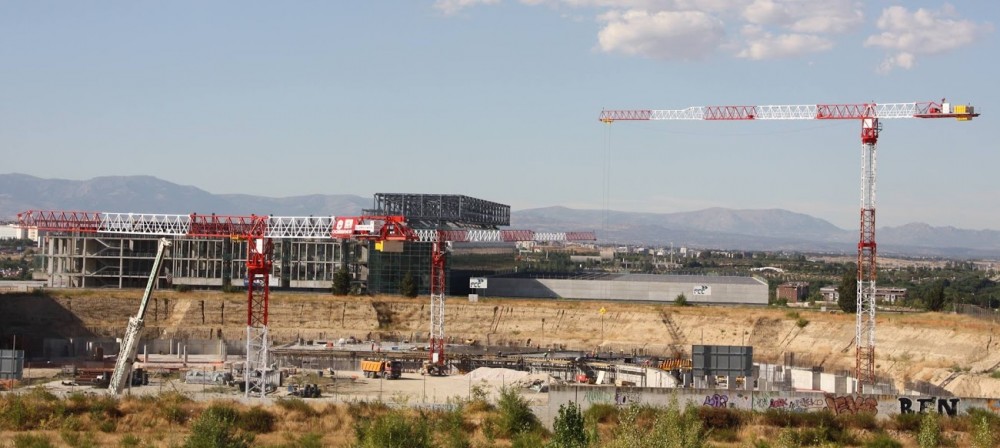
437	210
869	114
259	233
396	228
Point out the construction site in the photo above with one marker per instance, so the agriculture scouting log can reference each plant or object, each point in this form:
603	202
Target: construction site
243	302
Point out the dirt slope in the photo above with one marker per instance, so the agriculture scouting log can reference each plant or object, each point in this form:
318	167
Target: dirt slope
955	351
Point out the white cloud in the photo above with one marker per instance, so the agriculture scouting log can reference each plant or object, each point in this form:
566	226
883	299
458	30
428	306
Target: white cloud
906	34
451	7
761	45
661	35
805	16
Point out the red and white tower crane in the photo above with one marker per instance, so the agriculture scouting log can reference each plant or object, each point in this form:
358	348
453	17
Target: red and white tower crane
259	231
395	228
869	115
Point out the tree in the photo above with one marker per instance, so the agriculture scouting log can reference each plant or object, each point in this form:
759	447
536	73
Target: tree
568	428
408	286
342	282
848	291
934	298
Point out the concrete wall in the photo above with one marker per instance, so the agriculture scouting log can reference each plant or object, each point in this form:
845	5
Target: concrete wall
749	292
883	405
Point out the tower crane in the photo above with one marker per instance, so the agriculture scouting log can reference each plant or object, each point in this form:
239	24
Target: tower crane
869	114
384	229
259	231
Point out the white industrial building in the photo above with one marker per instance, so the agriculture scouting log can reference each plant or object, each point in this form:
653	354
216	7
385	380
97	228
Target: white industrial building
704	289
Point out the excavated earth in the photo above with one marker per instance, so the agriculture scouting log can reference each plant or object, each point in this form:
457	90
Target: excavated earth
952	351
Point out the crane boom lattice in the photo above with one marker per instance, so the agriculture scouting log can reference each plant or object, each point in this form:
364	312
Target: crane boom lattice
869	115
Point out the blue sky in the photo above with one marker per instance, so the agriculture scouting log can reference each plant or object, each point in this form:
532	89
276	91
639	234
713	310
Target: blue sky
500	99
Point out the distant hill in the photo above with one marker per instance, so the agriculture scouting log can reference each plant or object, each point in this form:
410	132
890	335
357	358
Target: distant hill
773	229
147	194
720	228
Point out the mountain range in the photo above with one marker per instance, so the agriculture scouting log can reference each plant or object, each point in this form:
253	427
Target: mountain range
720	228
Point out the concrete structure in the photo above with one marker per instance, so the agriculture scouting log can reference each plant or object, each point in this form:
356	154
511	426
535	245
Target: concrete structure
883	406
829	293
890	295
633	287
793	292
124	261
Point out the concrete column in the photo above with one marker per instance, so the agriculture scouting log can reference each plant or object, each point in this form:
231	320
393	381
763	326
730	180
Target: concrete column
145	353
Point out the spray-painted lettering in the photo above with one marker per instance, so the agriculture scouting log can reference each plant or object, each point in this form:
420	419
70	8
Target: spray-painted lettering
778	403
848	404
598	396
716	400
946	406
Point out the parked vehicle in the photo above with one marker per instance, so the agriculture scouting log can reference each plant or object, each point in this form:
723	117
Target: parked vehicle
383	368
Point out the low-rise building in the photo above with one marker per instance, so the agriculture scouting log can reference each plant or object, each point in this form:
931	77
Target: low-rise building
793	292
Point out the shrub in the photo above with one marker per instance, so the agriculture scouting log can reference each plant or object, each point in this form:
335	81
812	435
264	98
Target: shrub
568	428
602	413
514	414
393	430
129	441
256	420
681	429
720	418
802	322
528	439
883	441
296	405
77	440
182	288
863	420
32	441
906	422
681	300
930	431
983	435
215	428
451	426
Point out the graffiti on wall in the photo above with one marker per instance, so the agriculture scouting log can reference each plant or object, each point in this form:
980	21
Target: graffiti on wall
716	400
599	396
946	406
788	403
627	396
849	404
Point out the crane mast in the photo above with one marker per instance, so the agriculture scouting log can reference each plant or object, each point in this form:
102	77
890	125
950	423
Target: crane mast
869	114
130	343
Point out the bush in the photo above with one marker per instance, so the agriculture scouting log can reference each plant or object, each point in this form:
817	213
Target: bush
296	405
32	441
864	420
514	415
393	430
801	322
883	441
182	288
568	429
129	441
215	428
906	422
256	420
930	431
681	300
720	418
452	428
983	435
602	413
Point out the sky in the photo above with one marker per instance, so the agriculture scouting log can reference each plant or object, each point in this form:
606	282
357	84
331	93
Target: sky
499	99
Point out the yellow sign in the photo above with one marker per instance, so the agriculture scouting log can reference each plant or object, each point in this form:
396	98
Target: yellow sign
603	310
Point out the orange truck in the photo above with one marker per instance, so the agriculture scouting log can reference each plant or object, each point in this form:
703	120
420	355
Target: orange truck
382	369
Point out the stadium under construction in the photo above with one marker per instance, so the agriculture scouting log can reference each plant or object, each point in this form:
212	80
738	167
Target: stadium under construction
117	251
